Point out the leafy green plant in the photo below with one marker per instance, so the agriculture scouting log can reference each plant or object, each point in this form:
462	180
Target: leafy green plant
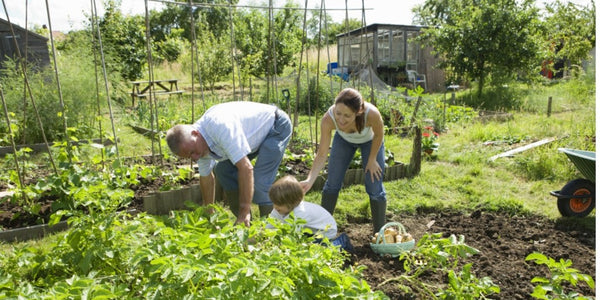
465	285
79	110
92	185
457	113
434	253
356	162
27	167
560	273
198	254
429	138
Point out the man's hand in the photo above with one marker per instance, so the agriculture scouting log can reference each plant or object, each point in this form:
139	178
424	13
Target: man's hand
243	219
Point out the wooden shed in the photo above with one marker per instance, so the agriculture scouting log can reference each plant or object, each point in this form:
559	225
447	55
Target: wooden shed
36	48
390	51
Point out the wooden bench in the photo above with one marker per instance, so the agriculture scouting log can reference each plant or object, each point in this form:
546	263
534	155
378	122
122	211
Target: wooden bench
141	89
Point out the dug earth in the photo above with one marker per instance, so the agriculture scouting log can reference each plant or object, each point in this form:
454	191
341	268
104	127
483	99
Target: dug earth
503	242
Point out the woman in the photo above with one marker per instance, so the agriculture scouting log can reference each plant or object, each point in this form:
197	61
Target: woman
357	124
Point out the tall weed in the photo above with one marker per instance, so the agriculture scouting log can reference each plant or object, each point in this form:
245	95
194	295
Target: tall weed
79	96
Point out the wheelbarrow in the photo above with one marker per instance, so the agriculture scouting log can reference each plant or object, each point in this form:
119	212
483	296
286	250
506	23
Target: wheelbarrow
578	197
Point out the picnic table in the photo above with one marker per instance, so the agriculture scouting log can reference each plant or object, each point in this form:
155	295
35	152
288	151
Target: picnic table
141	89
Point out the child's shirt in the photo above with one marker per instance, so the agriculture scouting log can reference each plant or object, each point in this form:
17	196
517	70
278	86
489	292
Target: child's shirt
318	219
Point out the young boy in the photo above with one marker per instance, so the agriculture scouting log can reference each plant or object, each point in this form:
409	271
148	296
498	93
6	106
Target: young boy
287	196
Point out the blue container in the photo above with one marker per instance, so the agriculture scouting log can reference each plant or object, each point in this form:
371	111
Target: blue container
334	69
331	66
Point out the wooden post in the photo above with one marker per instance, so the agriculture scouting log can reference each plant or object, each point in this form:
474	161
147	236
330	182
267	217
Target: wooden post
413	119
549	106
414	167
443	126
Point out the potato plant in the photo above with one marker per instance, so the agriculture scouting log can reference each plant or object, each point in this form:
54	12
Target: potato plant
186	255
437	254
562	274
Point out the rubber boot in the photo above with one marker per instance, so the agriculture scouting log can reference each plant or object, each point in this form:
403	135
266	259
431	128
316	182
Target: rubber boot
378	214
233	198
265	210
328	202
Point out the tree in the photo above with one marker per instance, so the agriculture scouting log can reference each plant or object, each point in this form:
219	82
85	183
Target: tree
319	21
482	39
213	59
213	15
570	32
342	27
256	41
123	41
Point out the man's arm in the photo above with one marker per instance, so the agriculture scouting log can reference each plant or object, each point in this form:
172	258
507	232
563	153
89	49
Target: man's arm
207	185
246	189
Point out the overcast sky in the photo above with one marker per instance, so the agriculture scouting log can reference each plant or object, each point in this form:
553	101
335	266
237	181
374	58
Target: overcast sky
66	15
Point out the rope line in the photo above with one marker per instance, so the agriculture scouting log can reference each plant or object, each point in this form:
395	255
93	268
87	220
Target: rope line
26	80
59	89
364	24
300	70
105	77
24	137
273	51
212	5
14	146
308	91
94	47
194	58
232	41
317	98
151	97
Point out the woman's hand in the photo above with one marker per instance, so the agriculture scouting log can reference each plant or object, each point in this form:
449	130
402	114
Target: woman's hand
306	185
375	170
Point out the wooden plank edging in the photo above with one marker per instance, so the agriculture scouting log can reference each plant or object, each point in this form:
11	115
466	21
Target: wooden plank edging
31	232
164	202
42	146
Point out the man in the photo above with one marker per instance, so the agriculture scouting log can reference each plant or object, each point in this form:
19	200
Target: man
226	138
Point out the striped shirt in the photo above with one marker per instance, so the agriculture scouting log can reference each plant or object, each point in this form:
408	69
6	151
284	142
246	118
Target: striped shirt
233	130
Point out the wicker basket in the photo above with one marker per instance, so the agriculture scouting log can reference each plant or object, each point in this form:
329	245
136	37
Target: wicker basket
382	248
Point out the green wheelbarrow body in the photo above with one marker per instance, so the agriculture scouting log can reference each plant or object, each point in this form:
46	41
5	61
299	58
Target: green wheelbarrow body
578	197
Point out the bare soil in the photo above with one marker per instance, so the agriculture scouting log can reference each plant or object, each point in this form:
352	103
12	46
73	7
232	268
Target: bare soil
503	241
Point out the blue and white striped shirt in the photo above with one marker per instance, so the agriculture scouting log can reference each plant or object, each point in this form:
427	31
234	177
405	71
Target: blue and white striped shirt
233	130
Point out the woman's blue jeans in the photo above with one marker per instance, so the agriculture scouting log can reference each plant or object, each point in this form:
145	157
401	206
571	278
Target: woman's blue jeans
268	157
342	153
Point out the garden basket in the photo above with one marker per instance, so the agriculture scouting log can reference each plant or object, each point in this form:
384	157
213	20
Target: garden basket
382	247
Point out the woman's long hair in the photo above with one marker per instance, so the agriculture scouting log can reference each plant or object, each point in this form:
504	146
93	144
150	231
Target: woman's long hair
353	99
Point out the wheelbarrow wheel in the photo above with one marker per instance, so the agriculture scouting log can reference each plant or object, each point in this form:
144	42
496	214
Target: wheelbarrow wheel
579	206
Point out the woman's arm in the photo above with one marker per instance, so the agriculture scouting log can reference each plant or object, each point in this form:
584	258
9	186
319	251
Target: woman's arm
376	122
327	127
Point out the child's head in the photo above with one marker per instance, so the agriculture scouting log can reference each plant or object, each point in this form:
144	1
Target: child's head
286	193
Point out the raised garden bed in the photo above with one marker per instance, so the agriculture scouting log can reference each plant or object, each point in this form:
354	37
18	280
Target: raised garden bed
148	197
